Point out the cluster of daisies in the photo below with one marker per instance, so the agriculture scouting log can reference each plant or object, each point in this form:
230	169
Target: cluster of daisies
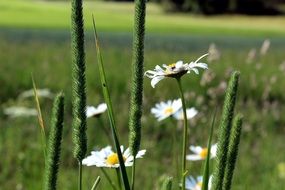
172	108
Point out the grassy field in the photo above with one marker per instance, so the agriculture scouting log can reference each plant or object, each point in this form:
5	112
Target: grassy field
41	45
118	17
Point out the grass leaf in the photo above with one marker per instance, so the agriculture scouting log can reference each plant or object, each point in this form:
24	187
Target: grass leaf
110	110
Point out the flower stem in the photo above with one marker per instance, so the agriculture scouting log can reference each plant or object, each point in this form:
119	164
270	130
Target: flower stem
119	178
185	139
174	148
108	179
80	175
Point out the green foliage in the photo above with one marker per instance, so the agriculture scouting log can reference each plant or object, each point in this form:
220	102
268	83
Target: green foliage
206	173
110	109
20	144
225	131
78	78
137	77
54	144
232	152
167	183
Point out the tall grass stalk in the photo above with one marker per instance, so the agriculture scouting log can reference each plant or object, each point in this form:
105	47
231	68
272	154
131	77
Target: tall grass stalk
232	152
225	131
54	145
185	134
137	82
110	110
79	85
40	119
96	183
206	173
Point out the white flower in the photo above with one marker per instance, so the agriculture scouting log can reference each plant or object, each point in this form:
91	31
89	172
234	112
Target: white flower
174	70
163	110
107	158
91	111
45	92
201	153
15	111
191	112
196	184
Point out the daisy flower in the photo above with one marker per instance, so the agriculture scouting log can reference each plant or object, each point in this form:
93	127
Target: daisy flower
174	70
196	184
201	153
17	111
191	112
163	110
107	158
91	111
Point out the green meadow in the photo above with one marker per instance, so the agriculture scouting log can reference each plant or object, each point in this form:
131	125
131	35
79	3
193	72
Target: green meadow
35	39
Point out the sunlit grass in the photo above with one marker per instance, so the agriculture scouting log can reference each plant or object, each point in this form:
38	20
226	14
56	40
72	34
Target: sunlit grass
112	16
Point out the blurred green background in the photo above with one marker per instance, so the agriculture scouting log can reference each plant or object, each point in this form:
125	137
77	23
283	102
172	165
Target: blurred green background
35	38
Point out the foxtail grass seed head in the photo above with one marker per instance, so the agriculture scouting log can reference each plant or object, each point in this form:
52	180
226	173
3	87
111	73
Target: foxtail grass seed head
200	153
78	81
174	70
54	144
225	130
232	152
107	158
137	77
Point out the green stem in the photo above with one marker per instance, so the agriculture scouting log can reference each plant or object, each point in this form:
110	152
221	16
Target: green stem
96	183
107	133
108	179
80	176
133	174
185	139
119	178
175	155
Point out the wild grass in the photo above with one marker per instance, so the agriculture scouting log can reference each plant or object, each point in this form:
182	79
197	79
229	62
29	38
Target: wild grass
260	100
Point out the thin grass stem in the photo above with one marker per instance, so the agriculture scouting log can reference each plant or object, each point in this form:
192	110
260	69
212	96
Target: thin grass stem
96	183
108	179
80	175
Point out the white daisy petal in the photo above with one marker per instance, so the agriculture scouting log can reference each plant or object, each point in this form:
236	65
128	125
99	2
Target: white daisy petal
155	80
175	70
163	110
107	158
91	111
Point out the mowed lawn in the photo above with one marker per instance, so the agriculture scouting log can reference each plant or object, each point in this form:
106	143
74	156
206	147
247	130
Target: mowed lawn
114	17
34	38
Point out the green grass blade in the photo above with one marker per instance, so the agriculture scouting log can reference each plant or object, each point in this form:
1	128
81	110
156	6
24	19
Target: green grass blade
40	118
110	110
167	183
206	173
96	183
232	152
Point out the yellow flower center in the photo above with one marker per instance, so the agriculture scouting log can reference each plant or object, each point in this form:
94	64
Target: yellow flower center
204	153
113	159
198	185
168	111
172	66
